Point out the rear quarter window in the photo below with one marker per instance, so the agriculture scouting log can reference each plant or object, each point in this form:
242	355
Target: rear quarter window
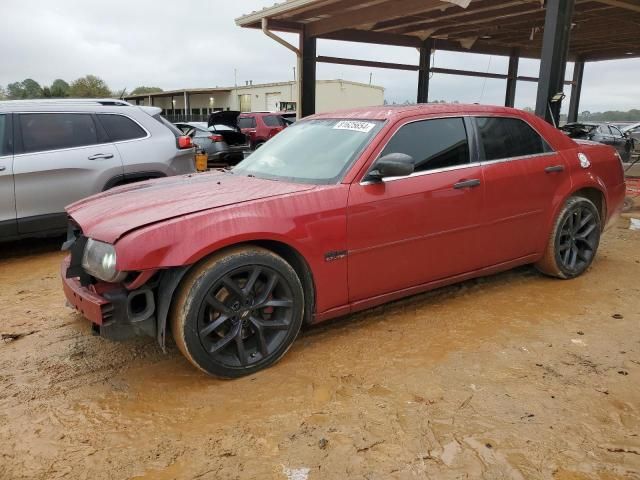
160	119
54	131
502	137
120	128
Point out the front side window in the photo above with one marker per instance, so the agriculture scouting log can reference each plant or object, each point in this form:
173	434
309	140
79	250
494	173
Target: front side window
432	144
52	131
502	137
120	128
311	151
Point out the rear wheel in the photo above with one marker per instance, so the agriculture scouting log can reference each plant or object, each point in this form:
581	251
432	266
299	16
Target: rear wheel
574	240
238	312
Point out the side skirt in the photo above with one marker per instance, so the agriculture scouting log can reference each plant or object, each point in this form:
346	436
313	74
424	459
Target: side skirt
406	292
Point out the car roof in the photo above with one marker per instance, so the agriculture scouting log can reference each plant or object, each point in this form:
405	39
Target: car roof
385	112
259	114
71	104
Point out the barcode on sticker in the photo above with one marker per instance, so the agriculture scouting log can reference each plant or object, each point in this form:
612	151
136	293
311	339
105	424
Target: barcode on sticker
354	125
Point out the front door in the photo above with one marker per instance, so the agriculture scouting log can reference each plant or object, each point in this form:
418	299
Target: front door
407	231
522	174
7	197
60	158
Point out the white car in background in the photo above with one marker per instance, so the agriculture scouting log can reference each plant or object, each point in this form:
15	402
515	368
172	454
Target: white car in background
55	152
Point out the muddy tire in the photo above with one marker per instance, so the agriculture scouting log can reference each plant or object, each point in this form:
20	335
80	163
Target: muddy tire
574	240
237	312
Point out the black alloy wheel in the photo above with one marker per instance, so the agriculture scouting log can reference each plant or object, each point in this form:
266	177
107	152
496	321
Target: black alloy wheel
574	240
238	311
245	316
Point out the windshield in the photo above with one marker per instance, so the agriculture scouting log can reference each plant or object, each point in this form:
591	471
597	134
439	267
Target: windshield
311	151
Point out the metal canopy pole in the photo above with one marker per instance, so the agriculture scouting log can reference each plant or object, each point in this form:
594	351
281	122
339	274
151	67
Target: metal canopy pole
555	45
512	78
308	75
576	90
424	71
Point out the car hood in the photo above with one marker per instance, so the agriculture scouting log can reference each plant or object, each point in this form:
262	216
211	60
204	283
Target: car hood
111	214
226	117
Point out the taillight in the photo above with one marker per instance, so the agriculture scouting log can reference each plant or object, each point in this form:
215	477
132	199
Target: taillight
184	142
216	138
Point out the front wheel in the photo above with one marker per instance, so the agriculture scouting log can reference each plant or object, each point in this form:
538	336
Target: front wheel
574	240
238	312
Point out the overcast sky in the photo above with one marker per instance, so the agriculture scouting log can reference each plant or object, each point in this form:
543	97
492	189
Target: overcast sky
195	43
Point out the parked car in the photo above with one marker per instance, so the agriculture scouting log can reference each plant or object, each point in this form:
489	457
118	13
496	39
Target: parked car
261	126
632	131
213	143
338	213
54	152
601	133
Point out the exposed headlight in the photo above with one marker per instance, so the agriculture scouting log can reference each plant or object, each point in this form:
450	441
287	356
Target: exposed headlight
99	260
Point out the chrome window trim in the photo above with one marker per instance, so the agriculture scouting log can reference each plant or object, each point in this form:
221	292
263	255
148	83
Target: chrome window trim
514	159
423	173
83	146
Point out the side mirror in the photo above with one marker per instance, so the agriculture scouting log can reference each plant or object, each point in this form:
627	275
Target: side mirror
392	165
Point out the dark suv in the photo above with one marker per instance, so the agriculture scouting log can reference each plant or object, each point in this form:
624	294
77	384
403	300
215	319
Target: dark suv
261	126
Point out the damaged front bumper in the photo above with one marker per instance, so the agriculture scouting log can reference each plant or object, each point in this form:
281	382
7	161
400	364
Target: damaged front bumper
114	312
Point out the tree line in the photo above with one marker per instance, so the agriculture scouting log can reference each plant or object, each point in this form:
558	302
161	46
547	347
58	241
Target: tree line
89	86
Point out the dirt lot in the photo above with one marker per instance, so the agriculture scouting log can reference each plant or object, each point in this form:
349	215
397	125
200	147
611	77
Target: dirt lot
513	376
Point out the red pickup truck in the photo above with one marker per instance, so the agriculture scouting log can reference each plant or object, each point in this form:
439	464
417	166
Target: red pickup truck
340	212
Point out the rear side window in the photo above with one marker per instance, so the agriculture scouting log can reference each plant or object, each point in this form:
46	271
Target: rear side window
52	131
273	121
432	144
120	128
509	137
247	122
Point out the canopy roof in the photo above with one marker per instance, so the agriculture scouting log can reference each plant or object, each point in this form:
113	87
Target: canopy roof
601	29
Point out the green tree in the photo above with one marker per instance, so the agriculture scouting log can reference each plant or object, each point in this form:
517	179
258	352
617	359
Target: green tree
15	91
89	86
3	93
143	90
32	89
59	88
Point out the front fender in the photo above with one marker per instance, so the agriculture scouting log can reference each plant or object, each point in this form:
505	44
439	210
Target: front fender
311	223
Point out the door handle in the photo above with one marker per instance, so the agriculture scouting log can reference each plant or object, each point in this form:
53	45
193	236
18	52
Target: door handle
555	168
2	168
467	184
100	156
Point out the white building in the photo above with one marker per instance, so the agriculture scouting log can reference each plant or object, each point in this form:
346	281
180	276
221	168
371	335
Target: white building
330	95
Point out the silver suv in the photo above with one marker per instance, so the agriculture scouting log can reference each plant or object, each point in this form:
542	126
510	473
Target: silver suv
54	152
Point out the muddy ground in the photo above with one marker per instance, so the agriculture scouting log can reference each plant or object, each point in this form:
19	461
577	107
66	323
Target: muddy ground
513	376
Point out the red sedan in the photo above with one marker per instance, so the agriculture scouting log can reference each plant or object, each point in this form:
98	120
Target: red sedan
338	213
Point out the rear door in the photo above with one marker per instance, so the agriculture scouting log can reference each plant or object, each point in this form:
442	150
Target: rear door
522	174
7	195
59	158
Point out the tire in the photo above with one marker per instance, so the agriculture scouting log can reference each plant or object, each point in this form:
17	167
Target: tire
258	145
237	312
574	240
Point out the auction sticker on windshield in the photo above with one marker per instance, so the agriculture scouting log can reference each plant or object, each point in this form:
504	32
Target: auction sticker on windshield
364	127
